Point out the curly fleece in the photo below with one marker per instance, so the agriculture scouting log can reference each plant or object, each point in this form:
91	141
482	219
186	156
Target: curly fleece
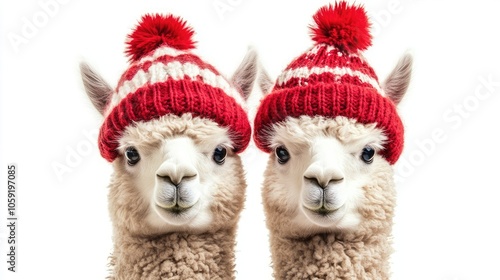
175	256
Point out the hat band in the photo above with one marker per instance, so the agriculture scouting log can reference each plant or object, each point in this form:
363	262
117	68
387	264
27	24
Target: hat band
174	97
364	104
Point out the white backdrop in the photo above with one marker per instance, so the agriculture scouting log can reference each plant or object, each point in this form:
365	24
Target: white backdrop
447	223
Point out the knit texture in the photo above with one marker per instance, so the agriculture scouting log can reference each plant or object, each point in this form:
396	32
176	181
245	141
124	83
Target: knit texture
333	79
165	77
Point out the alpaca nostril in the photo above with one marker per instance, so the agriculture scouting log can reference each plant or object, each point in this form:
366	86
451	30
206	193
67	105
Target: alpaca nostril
175	180
324	182
167	179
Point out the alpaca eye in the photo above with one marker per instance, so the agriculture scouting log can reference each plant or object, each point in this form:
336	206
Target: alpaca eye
282	154
220	153
367	154
132	156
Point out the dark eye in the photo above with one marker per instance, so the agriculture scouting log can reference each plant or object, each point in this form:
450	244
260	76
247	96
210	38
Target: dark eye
367	154
219	154
132	156
282	154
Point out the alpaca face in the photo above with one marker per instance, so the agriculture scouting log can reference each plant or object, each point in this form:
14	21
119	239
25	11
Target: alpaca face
319	169
183	168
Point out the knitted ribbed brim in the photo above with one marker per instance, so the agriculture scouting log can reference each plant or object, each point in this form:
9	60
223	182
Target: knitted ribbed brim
331	100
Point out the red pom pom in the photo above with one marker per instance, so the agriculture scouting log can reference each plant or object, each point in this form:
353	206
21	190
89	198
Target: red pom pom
345	27
156	30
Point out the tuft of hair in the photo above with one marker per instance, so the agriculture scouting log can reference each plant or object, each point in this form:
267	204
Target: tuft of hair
343	26
305	128
155	30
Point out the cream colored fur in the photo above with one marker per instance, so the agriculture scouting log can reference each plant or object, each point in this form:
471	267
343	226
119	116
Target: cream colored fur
152	242
351	241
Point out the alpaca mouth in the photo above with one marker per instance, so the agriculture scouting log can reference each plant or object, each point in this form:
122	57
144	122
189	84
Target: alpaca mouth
324	216
174	205
322	207
176	214
322	211
176	209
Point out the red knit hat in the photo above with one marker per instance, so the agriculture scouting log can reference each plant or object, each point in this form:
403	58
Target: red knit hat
164	78
333	79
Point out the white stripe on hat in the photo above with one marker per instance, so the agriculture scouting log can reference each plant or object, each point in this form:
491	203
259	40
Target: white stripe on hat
159	72
305	72
314	50
161	51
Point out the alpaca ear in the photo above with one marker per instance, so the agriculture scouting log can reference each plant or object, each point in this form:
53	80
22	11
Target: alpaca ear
98	90
265	82
397	82
244	76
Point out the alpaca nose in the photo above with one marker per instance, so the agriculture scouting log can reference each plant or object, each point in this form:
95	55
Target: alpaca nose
323	177
175	179
175	173
322	182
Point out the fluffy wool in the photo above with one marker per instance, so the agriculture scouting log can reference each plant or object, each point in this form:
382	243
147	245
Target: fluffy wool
176	256
145	247
300	251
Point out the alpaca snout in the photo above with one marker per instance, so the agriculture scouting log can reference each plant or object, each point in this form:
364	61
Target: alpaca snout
316	197
321	199
175	174
324	172
180	196
175	187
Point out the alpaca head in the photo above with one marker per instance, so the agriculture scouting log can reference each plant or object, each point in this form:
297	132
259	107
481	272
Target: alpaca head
173	129
175	172
181	174
332	130
328	174
318	169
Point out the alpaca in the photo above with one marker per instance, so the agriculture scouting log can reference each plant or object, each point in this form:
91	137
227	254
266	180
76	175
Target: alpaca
173	130
333	134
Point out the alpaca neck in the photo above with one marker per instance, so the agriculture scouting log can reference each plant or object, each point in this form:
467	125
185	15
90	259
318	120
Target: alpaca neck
175	255
331	256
